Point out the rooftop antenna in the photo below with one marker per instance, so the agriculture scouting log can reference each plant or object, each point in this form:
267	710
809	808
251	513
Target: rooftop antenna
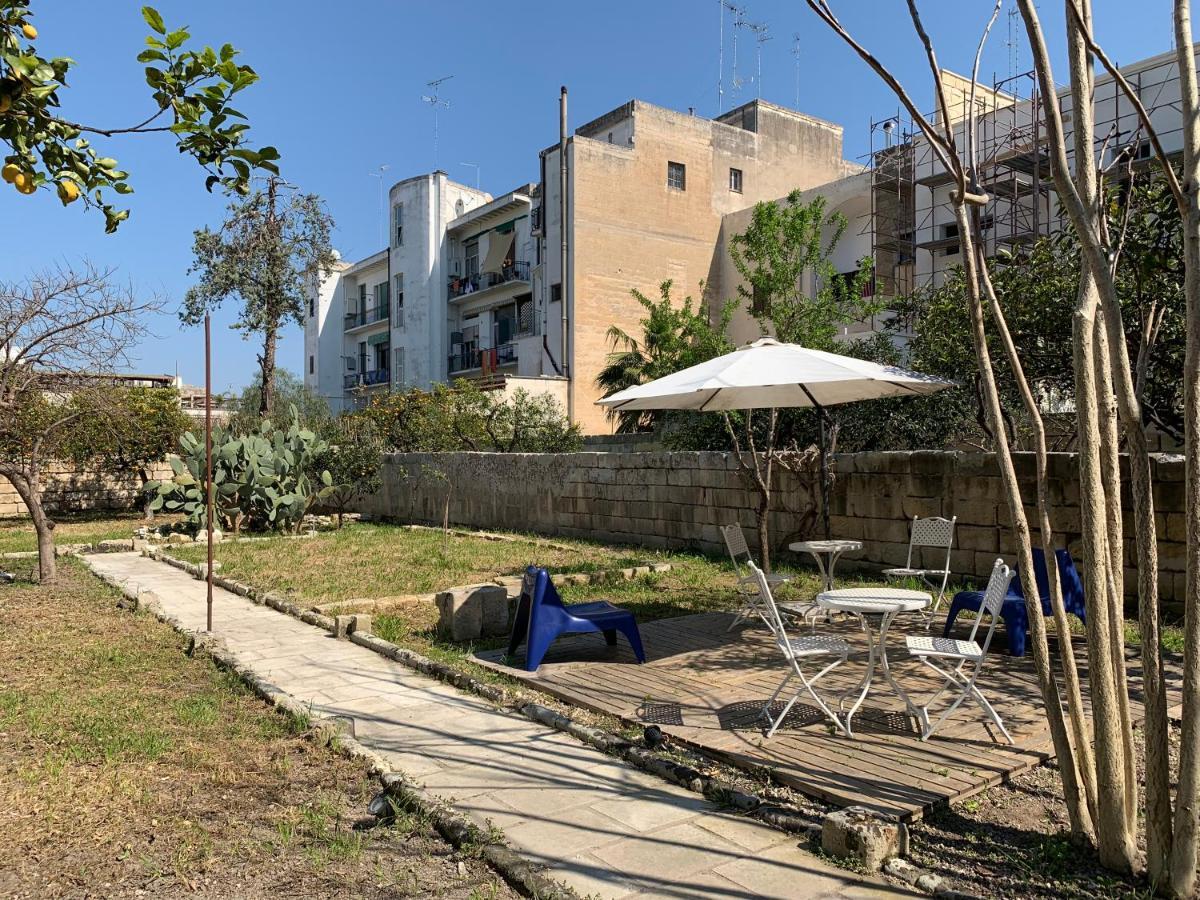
1011	41
476	167
437	103
720	56
760	37
382	204
739	21
796	54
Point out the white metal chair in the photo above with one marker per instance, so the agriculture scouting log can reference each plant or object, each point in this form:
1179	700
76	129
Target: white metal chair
795	651
932	531
747	582
949	657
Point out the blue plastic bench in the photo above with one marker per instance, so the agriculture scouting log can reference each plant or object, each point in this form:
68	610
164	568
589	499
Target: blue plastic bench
542	617
1014	613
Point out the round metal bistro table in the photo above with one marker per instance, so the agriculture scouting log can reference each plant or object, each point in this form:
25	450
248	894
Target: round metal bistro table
875	607
826	553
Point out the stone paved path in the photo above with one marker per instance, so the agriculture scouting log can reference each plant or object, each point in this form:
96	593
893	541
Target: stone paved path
600	826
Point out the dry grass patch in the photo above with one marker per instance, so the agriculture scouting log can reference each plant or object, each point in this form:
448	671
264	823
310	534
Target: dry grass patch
17	535
127	768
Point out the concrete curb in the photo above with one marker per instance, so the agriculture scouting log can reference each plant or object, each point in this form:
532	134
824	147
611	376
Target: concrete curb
518	871
777	816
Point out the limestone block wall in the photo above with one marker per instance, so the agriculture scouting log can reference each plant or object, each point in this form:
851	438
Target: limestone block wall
69	490
680	500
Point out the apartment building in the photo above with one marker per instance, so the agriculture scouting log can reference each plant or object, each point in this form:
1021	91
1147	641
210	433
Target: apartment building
471	285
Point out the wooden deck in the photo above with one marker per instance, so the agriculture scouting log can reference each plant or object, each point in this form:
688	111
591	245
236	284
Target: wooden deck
705	686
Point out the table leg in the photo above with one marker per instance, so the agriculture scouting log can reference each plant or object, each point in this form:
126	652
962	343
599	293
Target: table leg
834	555
865	685
887	669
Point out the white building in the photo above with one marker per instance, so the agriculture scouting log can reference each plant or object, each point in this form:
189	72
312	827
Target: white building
450	297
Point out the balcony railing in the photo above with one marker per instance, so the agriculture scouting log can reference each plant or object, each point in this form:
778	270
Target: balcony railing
366	379
485	360
469	284
365	316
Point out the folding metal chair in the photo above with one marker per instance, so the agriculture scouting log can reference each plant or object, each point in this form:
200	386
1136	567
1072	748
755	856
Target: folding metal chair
747	583
936	532
949	657
796	650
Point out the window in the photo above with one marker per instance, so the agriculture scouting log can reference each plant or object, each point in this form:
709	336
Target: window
398	225
312	307
950	231
398	290
381	300
735	180
610	140
398	365
556	293
677	176
472	259
310	364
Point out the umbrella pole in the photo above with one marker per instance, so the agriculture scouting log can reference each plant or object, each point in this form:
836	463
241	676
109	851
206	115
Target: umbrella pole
824	460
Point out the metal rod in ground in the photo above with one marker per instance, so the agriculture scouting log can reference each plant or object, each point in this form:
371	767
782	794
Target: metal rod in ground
208	513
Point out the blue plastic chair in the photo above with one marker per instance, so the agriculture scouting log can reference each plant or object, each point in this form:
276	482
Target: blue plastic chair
542	617
1014	613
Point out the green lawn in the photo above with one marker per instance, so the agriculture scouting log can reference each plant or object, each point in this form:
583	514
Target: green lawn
17	535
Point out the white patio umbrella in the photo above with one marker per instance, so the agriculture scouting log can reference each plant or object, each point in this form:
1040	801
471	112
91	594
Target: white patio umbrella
769	374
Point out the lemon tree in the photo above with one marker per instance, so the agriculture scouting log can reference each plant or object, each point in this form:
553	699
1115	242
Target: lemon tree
191	94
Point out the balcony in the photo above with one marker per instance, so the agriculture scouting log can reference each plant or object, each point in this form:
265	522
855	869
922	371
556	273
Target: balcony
470	284
485	360
364	317
372	378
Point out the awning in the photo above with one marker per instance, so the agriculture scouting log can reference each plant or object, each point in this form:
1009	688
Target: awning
499	249
381	338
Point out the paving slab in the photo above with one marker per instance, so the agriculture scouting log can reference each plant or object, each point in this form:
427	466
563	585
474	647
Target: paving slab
602	828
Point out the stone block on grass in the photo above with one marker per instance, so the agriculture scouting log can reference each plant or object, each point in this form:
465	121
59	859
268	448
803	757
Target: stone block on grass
467	613
860	834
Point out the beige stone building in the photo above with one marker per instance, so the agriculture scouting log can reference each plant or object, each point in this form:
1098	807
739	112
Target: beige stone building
647	191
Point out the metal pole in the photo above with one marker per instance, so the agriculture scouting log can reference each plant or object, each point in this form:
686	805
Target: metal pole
208	459
824	475
568	369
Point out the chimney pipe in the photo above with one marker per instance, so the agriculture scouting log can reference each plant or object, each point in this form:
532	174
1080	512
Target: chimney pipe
568	368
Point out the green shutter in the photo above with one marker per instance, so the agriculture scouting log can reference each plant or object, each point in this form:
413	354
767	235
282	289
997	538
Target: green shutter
381	338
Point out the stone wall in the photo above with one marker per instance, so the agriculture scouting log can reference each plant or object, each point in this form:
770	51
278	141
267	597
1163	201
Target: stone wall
68	490
679	500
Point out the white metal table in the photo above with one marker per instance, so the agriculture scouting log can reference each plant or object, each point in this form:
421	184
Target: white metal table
820	550
871	605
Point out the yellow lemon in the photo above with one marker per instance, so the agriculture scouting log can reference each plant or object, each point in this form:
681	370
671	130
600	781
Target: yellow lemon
68	191
23	182
29	31
10	172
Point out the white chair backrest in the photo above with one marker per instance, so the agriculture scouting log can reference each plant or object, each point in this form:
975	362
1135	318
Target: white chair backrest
993	600
775	619
932	531
735	541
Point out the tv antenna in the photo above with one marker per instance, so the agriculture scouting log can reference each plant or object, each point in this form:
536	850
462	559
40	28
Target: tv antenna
739	21
760	37
382	203
437	103
796	54
477	169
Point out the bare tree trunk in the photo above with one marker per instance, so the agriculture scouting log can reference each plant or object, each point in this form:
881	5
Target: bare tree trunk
1072	790
25	481
1184	850
1083	760
1114	588
266	363
144	477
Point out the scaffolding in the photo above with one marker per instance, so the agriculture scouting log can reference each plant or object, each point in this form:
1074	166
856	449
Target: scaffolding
892	210
914	234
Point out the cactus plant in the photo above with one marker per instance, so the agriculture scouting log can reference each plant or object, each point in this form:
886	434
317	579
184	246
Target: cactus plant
262	481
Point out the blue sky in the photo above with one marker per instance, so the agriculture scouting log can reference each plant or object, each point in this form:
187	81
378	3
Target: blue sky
340	96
